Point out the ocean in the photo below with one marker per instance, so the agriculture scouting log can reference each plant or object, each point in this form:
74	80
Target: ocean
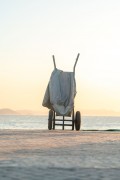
32	122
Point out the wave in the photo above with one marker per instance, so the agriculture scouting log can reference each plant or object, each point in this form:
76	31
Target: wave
101	130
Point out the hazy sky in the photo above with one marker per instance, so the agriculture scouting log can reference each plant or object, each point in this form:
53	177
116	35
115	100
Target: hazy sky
32	30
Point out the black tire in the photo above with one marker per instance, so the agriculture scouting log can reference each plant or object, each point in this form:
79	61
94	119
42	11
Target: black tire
50	120
77	121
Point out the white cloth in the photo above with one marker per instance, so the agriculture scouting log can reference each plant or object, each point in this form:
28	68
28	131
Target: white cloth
60	92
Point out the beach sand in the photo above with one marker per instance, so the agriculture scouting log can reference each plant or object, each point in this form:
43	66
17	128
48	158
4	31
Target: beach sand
59	155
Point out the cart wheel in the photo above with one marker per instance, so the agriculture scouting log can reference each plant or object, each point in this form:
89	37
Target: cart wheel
77	121
50	118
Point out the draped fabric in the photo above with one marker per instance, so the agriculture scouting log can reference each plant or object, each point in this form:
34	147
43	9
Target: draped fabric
60	92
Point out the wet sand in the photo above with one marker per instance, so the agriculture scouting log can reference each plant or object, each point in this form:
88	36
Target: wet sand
43	154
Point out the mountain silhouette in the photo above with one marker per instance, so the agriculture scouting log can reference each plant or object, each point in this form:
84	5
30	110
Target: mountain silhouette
7	111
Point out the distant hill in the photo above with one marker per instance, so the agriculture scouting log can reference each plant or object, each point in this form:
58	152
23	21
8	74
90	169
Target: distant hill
100	112
7	111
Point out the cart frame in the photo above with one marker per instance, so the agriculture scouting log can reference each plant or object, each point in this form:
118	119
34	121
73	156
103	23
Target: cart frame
75	120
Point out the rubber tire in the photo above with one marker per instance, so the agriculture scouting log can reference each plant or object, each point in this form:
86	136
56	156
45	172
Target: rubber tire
77	121
50	119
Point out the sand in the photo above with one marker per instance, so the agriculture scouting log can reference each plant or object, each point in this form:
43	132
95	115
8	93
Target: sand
43	154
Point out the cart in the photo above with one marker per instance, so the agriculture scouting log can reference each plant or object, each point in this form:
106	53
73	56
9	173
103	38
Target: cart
59	99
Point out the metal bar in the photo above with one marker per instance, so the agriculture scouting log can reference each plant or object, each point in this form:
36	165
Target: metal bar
54	61
54	120
64	125
63	122
73	119
76	62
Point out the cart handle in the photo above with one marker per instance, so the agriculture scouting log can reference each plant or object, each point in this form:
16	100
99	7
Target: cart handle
54	61
76	62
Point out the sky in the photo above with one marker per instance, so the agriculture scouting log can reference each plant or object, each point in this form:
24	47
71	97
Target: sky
31	31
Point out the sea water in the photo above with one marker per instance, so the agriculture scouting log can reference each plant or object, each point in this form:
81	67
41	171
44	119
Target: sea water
32	122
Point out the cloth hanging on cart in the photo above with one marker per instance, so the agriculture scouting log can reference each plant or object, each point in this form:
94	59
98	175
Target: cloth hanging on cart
60	92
